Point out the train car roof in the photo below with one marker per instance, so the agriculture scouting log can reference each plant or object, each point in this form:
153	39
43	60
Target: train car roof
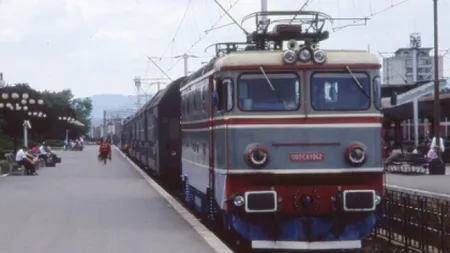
156	98
253	58
161	93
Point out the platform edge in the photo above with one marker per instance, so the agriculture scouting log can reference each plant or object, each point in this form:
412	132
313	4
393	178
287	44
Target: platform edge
216	244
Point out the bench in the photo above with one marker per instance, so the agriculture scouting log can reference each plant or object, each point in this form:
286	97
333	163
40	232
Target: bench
407	164
14	167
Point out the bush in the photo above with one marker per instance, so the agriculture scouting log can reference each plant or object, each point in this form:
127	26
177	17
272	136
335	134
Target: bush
55	143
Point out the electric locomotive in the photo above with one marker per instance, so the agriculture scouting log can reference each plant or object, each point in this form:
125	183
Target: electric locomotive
282	144
280	141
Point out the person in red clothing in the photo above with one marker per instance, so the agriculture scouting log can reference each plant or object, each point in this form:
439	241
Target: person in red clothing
104	151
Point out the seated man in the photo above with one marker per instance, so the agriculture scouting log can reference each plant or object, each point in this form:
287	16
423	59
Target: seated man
432	154
51	153
27	160
395	154
43	153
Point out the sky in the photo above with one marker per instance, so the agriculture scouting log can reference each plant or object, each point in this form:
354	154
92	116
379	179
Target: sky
99	46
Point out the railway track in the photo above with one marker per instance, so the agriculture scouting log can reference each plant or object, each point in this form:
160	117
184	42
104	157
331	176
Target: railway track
410	223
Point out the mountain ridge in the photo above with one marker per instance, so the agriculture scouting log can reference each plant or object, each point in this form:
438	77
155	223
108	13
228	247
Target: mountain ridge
102	102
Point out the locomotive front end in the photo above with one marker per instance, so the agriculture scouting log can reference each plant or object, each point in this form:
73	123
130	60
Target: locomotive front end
303	167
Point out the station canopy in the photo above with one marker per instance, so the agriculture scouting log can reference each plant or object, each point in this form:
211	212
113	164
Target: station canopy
404	108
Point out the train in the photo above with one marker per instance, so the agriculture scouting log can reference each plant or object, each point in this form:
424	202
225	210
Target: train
276	141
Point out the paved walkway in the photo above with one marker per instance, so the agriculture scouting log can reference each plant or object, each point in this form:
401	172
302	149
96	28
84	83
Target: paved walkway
83	206
430	183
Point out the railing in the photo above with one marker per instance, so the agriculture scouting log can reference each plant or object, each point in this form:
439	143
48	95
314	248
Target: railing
415	222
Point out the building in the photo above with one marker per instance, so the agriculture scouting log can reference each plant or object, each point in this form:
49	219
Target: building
411	65
97	132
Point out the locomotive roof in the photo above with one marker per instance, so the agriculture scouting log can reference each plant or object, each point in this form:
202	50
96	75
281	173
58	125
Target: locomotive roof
253	58
258	58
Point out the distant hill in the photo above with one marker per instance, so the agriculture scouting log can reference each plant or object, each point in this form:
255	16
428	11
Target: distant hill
103	102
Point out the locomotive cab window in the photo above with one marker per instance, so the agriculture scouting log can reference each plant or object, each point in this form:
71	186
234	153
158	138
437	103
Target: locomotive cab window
340	91
224	92
273	92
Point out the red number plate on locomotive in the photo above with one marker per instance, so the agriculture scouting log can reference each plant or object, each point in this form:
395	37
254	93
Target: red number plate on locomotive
307	156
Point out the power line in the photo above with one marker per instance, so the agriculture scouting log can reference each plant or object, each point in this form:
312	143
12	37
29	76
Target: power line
393	5
178	29
204	35
174	36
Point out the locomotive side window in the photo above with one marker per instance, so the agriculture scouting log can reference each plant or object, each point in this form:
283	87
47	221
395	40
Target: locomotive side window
377	92
279	92
340	91
203	91
224	89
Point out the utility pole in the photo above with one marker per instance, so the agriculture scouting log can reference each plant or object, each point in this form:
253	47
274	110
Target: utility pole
186	58
264	8
437	102
104	124
415	42
137	83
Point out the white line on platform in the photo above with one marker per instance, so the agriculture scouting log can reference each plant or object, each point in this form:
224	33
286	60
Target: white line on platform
418	192
204	232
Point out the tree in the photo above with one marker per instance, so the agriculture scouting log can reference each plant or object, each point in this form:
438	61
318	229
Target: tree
83	110
56	106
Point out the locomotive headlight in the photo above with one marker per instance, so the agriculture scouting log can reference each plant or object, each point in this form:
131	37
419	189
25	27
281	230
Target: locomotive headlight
289	57
319	57
377	199
355	155
257	156
238	201
173	153
304	55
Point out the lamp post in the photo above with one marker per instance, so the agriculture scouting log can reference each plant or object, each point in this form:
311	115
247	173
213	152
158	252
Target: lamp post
2	82
69	120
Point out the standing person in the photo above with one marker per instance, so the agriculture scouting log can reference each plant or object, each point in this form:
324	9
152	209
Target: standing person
441	144
104	151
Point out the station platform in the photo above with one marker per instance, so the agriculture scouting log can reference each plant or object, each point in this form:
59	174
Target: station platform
429	184
83	206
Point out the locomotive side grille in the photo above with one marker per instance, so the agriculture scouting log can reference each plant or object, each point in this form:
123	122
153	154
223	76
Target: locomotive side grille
359	200
261	202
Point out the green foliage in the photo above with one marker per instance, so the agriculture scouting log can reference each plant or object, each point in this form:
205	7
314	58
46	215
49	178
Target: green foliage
83	110
55	143
56	104
58	99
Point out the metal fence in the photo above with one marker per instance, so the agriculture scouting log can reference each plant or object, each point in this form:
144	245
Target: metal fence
415	222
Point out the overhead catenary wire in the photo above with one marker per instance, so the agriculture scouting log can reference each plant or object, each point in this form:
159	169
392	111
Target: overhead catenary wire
178	28
174	36
216	24
372	14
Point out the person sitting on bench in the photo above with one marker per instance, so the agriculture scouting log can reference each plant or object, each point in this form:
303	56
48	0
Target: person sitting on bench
433	154
43	153
26	160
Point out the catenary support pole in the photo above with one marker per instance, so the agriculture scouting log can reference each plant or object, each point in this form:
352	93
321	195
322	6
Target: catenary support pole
437	104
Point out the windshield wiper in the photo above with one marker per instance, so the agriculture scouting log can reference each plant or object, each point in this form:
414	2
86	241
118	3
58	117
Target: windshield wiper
357	82
273	88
